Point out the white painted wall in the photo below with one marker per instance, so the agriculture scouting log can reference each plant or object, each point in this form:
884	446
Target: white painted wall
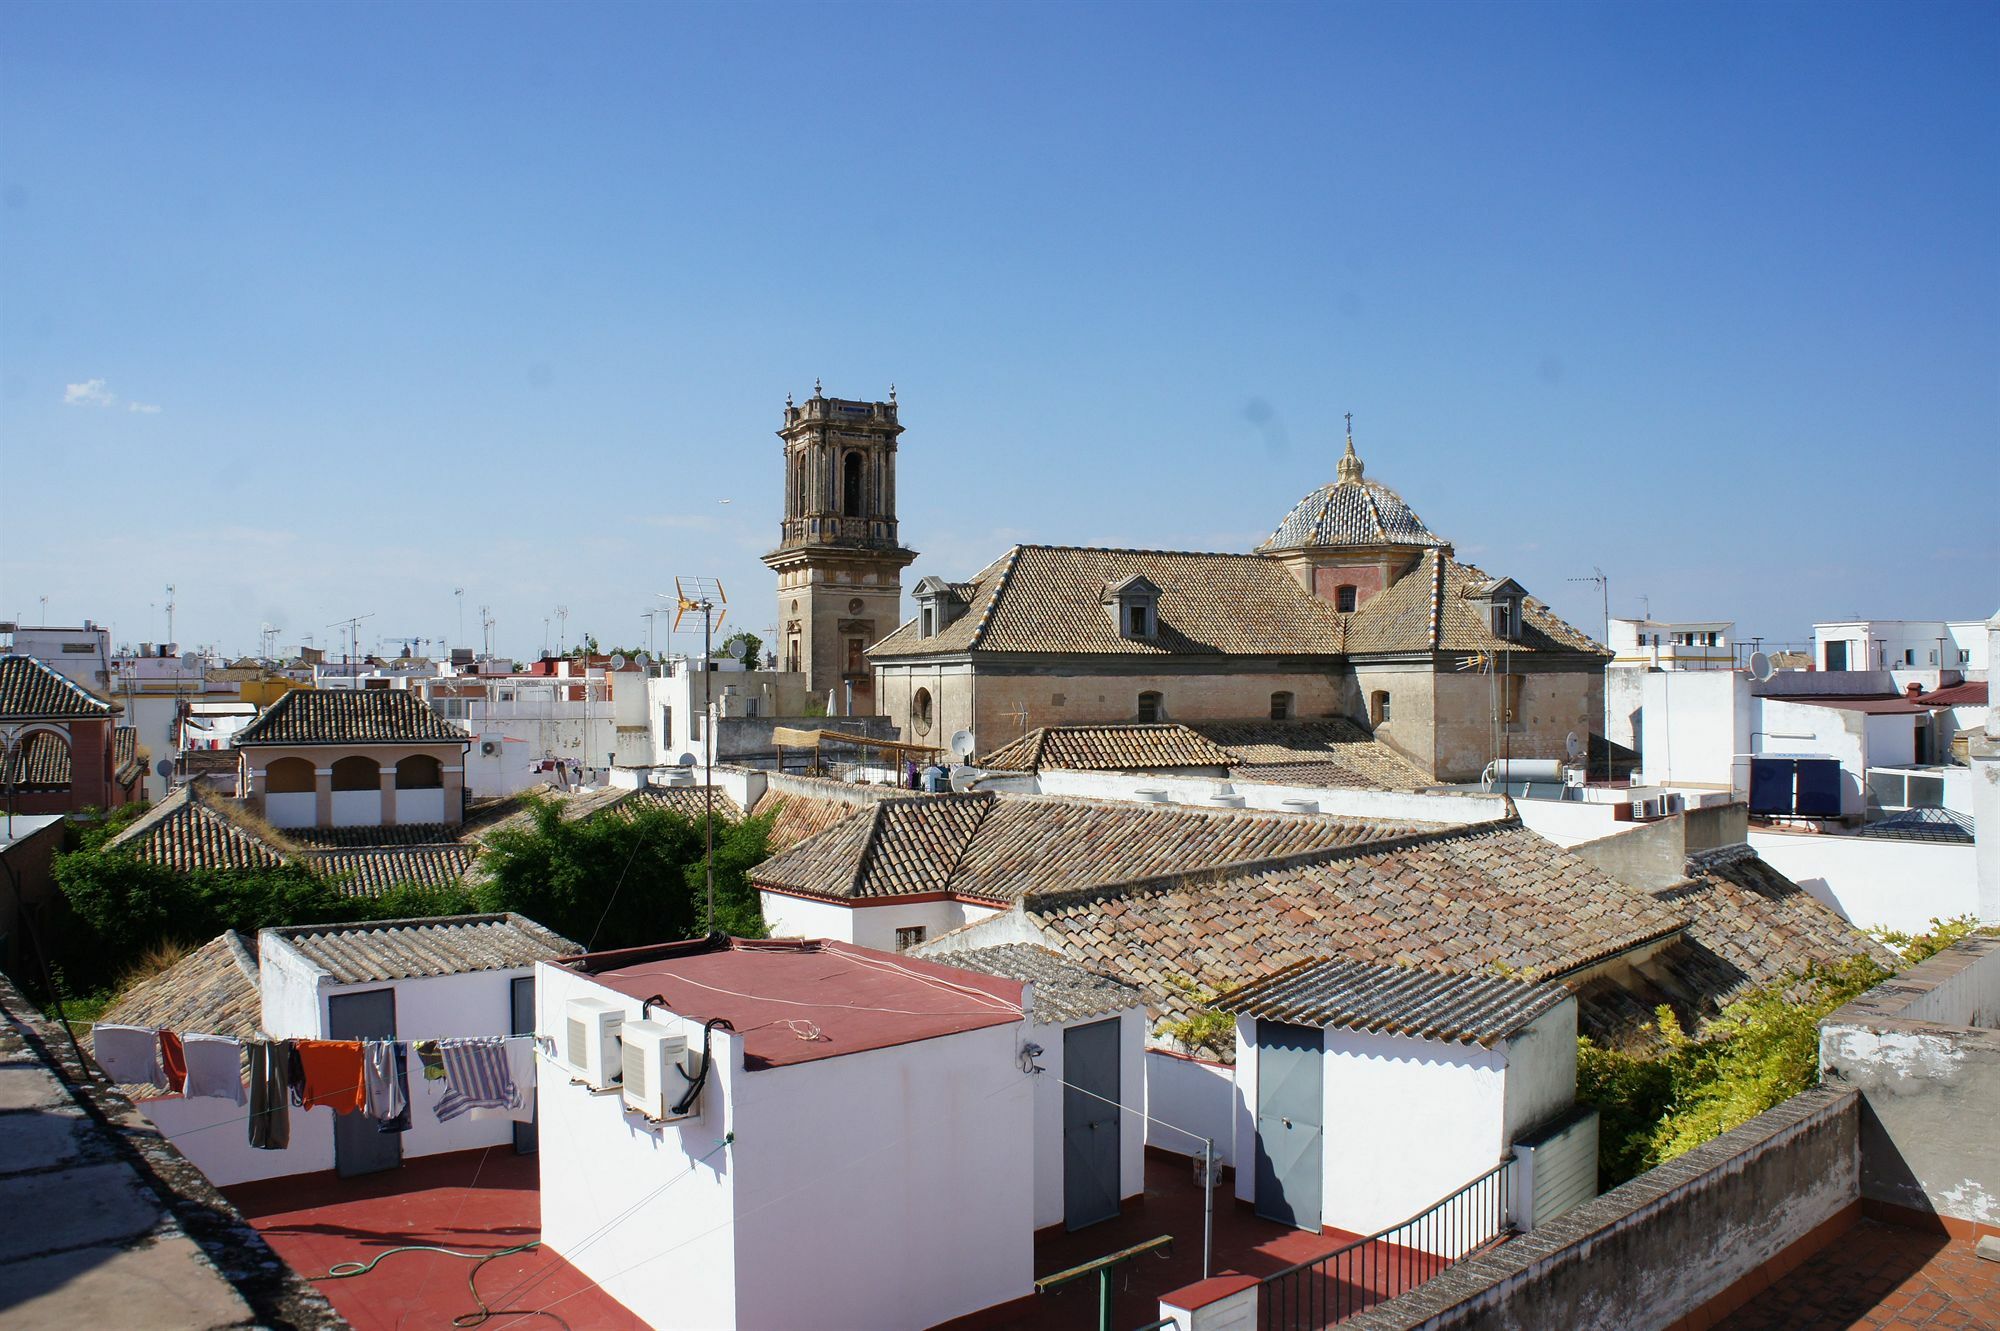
1877	882
1049	1154
1569	822
635	1208
1697	721
299	808
1193	1094
1409	1121
1455	808
420	806
872	925
357	808
215	1135
844	1201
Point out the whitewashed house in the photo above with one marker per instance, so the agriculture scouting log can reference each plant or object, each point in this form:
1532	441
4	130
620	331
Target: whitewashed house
787	1134
1372	1091
465	975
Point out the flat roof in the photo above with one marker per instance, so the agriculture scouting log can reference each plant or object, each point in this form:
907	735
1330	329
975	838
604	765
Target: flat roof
1871	706
24	825
801	1001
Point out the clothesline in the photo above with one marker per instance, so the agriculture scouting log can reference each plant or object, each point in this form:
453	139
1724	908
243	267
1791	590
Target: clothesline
480	1076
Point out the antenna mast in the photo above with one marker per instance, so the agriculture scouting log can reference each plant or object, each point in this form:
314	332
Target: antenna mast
170	611
704	596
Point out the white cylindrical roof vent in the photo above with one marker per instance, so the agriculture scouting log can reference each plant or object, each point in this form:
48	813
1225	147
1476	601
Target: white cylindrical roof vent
1151	795
1223	800
1296	805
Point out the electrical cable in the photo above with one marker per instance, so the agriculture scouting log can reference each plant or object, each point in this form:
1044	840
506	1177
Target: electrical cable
349	1270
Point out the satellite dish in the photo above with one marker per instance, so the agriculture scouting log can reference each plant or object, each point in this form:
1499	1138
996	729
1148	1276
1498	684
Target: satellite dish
644	659
686	760
961	744
1573	745
1760	666
617	660
164	767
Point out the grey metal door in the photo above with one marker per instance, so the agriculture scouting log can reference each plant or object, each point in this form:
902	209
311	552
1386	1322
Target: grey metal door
1291	1114
527	1139
1090	1125
358	1146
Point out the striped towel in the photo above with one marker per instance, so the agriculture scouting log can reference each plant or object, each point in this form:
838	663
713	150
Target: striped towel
475	1077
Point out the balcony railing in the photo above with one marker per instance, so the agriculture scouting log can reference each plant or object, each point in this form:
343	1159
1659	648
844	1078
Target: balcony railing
1393	1261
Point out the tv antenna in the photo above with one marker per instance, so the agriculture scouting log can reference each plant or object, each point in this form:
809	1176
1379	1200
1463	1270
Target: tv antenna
352	624
705	597
170	610
562	628
486	622
1596	575
459	592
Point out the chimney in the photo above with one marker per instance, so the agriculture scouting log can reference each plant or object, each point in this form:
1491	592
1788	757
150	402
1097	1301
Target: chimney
1913	690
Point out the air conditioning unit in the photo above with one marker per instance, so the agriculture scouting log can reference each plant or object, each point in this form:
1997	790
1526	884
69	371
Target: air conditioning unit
657	1071
590	1040
489	748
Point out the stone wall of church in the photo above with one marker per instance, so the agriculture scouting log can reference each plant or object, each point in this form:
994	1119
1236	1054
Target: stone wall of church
1551	704
1000	707
1399	703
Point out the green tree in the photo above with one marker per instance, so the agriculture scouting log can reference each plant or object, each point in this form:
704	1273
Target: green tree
743	646
621	881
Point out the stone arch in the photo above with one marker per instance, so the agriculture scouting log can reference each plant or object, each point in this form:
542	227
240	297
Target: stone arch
357	772
289	776
853	481
419	771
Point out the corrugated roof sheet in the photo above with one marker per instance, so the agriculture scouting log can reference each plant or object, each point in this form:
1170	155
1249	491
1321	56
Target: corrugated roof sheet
350	716
30	690
1064	990
407	949
1460	1006
994	847
1924	824
1108	748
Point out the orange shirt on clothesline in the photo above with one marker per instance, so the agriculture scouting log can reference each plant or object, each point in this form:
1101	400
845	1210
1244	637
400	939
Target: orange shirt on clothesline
332	1074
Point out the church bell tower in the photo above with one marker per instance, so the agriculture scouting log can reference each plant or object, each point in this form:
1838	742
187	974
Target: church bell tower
839	562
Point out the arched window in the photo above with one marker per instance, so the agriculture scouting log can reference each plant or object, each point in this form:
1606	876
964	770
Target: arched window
1281	706
920	711
357	773
850	485
40	761
1344	596
1152	706
419	771
1378	707
289	776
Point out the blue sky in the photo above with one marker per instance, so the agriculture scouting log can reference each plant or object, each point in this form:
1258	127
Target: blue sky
317	311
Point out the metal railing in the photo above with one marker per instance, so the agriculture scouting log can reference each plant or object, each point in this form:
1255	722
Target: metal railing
1393	1261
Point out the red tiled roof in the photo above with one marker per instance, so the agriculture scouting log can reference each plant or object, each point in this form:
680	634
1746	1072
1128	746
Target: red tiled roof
1972	693
855	998
1870	706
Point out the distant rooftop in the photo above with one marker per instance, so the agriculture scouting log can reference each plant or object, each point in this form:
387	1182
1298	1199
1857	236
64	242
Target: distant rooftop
799	1002
1064	990
350	716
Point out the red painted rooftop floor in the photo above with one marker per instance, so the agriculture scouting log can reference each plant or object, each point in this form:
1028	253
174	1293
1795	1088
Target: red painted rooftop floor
471	1201
484	1201
1171	1204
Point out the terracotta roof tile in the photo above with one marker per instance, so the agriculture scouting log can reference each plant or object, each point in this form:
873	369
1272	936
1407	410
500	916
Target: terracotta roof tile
29	689
1468	899
188	830
349	716
38	761
1041	598
990	847
1334	753
1108	748
212	990
369	871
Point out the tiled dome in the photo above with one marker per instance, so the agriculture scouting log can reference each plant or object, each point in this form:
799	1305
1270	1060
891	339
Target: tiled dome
1351	511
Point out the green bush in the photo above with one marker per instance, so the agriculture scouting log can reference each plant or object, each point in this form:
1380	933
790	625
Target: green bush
622	881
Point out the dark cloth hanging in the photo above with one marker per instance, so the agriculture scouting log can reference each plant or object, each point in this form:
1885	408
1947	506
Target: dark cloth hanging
295	1074
270	1094
174	1061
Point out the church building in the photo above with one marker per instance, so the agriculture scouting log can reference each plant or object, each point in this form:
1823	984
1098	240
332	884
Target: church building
1352	608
